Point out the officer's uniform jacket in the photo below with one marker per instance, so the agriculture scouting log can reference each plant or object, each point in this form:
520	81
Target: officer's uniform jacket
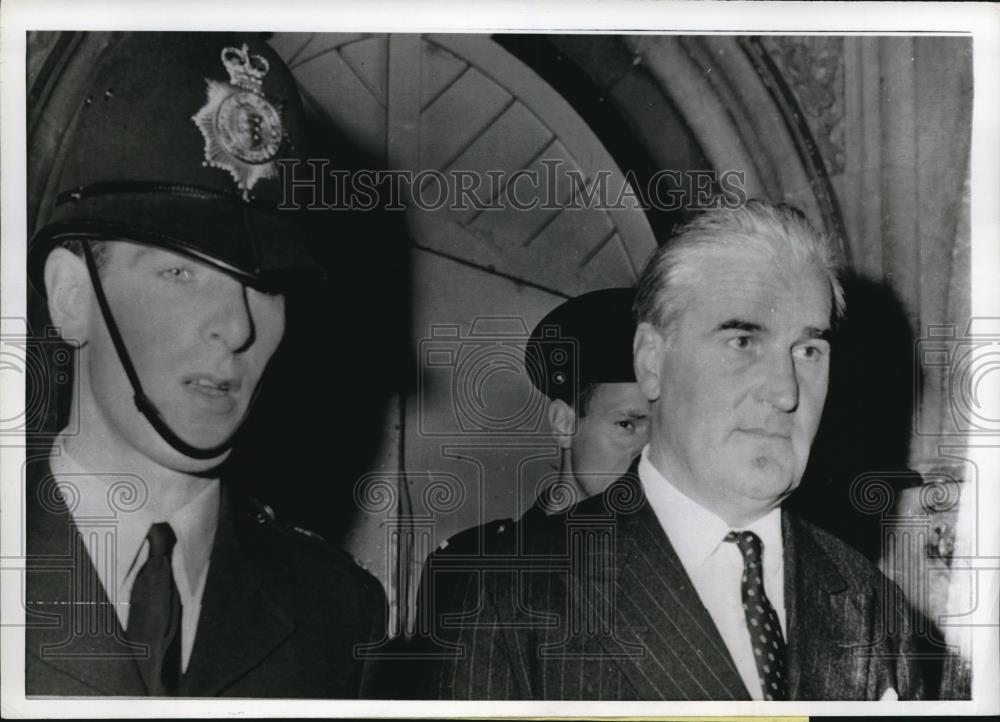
282	615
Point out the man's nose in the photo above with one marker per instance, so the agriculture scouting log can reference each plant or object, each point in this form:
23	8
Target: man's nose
231	322
781	385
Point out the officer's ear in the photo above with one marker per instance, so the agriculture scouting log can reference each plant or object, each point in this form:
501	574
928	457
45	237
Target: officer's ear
562	420
648	346
67	288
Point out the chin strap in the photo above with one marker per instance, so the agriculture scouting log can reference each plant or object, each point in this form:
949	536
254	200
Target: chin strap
142	402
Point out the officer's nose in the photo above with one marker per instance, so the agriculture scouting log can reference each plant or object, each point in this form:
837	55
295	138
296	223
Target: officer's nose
640	438
640	442
781	384
231	322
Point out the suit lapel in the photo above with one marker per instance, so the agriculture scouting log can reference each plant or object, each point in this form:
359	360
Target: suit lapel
72	627
823	622
662	636
240	622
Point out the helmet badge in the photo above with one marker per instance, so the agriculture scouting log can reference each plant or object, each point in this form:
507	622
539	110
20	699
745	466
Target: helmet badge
242	127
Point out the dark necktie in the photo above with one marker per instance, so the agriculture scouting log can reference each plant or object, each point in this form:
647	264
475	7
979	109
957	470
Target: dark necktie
762	621
154	617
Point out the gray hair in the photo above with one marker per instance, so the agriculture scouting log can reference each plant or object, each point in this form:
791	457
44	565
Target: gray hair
775	229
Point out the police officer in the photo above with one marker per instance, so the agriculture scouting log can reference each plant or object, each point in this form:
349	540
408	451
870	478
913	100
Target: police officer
597	413
580	356
166	263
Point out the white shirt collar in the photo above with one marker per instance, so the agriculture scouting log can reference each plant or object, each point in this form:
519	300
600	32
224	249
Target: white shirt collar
694	531
96	498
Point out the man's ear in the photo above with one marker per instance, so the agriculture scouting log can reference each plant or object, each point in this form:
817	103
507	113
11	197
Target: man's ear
648	347
562	419
67	287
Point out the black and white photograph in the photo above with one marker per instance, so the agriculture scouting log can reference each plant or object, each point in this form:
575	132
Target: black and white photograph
638	360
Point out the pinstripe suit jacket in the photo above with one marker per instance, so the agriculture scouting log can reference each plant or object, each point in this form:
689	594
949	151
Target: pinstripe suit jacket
595	605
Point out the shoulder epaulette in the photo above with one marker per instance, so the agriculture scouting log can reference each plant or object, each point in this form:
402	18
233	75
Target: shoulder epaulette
265	515
490	535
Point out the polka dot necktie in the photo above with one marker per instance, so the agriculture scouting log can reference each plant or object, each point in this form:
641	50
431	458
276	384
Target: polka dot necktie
762	621
154	617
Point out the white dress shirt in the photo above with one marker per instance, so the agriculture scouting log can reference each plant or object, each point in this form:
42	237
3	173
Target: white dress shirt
107	509
715	566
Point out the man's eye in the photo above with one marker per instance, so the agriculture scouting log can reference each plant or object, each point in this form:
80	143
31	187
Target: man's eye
740	343
809	353
636	424
177	273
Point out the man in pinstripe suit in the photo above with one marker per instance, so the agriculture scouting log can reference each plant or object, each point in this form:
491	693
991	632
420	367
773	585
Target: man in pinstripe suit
686	579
